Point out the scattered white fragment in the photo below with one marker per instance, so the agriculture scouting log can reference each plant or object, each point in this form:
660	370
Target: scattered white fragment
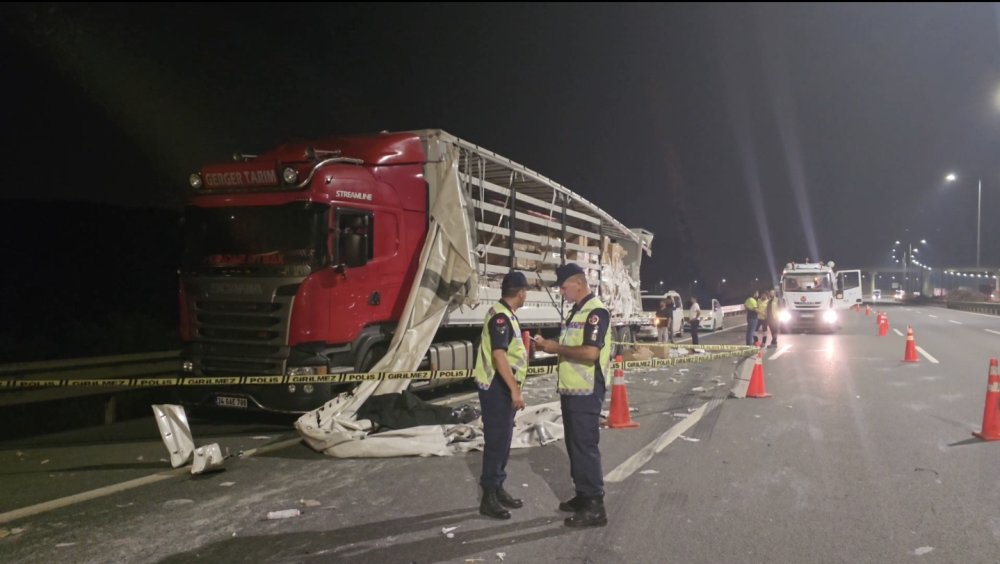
139	457
923	550
446	530
650	472
859	397
689	439
788	406
672	379
124	505
16	530
46	461
65	544
756	416
698	389
450	535
691	409
683	370
227	484
633	409
500	555
524	485
283	514
261	438
310	502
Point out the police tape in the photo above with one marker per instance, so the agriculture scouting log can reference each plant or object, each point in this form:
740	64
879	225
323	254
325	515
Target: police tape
15	383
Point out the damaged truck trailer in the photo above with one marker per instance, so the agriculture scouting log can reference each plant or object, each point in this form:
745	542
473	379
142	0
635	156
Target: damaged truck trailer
306	259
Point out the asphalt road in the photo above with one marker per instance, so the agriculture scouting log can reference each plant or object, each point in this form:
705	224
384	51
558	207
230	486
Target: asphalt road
857	457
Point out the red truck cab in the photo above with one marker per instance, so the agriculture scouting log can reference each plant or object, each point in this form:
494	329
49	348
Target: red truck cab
298	261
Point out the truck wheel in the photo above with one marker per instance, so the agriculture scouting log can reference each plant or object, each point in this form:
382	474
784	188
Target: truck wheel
623	334
372	356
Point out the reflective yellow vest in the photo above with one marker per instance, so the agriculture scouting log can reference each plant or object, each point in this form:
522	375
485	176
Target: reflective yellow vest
750	304
517	355
762	308
576	378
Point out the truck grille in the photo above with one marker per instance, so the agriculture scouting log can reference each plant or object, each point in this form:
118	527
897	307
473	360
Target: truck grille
240	334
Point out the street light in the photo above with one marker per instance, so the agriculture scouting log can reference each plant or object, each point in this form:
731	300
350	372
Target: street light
952	177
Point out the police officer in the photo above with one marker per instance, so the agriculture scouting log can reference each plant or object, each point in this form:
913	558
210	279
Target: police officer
584	350
499	372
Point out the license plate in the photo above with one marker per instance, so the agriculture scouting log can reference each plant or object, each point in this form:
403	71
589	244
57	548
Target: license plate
808	315
227	401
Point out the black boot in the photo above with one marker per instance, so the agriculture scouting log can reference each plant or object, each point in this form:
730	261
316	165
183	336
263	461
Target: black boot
572	505
490	505
508	500
591	515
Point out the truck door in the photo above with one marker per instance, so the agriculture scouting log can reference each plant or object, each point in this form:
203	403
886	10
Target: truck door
848	288
352	247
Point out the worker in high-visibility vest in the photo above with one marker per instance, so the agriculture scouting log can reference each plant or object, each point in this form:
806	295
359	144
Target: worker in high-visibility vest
500	368
751	307
584	350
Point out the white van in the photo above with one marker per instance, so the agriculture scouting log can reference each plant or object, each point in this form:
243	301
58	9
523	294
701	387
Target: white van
651	303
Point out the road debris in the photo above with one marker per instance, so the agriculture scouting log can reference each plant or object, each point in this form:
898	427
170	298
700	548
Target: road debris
446	530
923	550
689	439
283	514
65	544
650	472
672	379
46	461
207	458
227	484
698	389
500	555
261	438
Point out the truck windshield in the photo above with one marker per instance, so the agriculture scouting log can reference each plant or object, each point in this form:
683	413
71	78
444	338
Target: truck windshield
807	282
280	240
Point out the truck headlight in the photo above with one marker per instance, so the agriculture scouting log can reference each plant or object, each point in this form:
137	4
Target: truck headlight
830	316
784	316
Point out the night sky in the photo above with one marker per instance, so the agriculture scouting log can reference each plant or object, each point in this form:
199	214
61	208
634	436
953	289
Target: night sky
742	136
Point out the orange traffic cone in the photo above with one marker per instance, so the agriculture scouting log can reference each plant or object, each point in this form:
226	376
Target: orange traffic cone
620	418
868	311
910	354
991	413
883	327
756	387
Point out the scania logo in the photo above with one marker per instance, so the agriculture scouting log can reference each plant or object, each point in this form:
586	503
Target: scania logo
235	289
802	299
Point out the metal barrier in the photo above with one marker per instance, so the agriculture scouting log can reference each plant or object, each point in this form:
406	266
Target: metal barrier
976	307
165	363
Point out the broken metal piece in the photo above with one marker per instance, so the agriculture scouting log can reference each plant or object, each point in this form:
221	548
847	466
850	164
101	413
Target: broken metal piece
207	459
176	433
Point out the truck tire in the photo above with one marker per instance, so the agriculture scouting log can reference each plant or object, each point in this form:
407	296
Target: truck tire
372	356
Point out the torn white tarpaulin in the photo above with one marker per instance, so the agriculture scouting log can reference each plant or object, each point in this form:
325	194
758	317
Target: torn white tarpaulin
446	278
176	433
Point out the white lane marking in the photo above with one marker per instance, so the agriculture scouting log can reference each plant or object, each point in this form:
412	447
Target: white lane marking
637	460
992	331
781	350
934	316
927	355
955	322
120	487
898	332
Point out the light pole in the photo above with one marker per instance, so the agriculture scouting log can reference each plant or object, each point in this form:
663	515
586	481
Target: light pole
952	177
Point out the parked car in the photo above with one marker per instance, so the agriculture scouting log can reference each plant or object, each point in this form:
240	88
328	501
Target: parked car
711	318
876	295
